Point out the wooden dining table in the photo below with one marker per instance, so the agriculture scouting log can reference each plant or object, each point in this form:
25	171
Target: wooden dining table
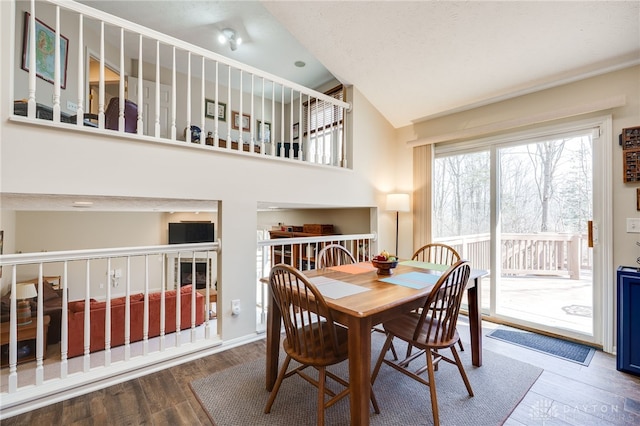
360	312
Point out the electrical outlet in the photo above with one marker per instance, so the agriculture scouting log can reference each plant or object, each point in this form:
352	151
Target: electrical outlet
73	107
633	225
235	307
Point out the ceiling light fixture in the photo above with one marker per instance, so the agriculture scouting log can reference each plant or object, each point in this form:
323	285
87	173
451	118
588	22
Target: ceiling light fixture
299	64
229	36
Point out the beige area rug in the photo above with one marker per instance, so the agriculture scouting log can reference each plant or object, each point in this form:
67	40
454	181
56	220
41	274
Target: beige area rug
237	396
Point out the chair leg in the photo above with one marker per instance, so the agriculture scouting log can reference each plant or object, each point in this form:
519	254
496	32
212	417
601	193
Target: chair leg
393	351
461	369
432	389
276	386
460	345
374	401
321	383
385	348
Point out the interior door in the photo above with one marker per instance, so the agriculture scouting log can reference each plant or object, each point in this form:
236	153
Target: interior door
149	106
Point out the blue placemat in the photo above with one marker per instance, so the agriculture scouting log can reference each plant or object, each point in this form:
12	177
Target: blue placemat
425	265
413	279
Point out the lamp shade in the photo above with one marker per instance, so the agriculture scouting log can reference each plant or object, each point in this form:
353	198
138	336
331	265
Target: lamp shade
25	291
398	202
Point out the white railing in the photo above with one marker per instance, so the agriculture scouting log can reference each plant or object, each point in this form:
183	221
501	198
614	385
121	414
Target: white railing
234	107
136	279
301	252
541	254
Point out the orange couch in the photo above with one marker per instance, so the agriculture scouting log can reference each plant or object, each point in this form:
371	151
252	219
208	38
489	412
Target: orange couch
98	309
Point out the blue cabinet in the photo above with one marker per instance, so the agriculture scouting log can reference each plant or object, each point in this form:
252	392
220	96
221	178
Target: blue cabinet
628	344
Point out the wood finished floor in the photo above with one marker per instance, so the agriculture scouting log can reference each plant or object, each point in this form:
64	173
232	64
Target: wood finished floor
565	394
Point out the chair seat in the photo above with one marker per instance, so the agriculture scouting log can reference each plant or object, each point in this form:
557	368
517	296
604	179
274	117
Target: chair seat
403	327
314	356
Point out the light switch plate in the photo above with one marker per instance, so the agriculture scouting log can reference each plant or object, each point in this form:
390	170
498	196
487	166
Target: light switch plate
633	225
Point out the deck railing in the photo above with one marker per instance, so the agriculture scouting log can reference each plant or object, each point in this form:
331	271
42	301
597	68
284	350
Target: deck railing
523	254
220	103
82	276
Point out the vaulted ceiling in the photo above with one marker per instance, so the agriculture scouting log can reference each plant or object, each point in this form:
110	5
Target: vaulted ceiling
411	59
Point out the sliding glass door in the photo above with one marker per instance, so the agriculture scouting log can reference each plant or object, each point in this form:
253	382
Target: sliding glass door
519	207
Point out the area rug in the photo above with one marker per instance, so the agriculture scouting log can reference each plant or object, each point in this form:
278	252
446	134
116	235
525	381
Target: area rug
237	396
564	349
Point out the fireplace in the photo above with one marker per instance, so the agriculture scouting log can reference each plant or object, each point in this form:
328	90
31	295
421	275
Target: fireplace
187	275
183	272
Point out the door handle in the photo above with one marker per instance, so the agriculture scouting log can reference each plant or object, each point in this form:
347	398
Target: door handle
590	234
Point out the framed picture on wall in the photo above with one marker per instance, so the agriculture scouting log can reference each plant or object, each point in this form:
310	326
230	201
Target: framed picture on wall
210	110
296	131
235	121
267	131
45	51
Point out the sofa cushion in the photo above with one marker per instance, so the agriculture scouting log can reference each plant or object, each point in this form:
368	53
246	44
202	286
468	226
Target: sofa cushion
78	305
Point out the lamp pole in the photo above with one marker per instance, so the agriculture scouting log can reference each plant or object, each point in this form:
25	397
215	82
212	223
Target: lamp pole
397	219
398	203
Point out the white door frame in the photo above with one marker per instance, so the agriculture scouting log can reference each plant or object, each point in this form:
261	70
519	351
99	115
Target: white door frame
603	281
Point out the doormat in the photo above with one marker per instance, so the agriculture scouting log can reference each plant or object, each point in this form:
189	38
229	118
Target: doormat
570	351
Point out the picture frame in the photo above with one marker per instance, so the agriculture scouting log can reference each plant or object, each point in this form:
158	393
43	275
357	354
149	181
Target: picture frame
235	121
267	127
296	131
210	110
637	201
45	51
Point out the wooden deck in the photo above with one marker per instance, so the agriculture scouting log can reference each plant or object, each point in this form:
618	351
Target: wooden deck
553	301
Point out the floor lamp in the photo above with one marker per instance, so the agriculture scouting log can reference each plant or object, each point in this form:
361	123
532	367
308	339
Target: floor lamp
398	203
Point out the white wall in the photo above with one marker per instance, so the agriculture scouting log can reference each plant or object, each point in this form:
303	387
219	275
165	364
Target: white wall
345	221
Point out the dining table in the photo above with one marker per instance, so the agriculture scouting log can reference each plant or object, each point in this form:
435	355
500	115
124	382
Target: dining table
360	298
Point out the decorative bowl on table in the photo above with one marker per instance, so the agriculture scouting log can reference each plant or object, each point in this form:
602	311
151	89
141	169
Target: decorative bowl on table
385	267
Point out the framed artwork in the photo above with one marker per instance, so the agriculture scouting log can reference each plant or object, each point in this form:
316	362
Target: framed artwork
210	110
45	51
235	121
296	131
267	131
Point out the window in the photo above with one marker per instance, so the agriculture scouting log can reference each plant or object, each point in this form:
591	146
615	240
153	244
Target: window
322	123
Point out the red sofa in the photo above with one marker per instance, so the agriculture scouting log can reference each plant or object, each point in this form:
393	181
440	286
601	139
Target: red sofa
98	309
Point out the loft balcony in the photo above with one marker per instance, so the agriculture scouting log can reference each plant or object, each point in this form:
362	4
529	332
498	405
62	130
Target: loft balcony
82	70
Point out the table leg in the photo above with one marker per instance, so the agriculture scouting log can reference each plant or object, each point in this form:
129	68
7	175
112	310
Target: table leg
274	317
359	369
475	322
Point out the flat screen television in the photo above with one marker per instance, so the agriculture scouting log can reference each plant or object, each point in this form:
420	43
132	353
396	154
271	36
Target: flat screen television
190	232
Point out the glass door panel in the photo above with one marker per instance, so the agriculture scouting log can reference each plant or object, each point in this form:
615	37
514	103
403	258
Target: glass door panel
545	203
461	209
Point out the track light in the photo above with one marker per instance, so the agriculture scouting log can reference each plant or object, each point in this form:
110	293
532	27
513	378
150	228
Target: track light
229	36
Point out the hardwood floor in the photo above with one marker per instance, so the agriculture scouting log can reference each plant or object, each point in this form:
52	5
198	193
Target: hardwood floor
565	394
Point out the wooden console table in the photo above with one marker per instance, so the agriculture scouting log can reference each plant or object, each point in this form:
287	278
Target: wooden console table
26	336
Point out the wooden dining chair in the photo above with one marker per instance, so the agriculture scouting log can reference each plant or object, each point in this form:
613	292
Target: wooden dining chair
431	330
312	337
440	254
334	255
